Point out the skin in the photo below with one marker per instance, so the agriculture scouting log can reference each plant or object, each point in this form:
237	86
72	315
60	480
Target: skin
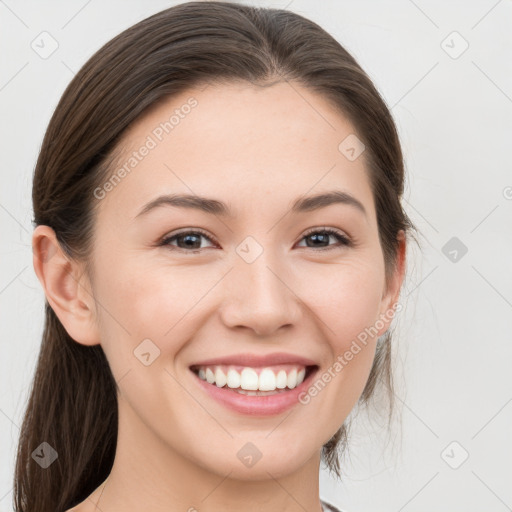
258	149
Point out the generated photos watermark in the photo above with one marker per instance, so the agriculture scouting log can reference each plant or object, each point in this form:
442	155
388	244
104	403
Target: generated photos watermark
156	136
343	359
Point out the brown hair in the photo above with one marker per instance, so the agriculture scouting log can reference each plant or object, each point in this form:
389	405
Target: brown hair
73	401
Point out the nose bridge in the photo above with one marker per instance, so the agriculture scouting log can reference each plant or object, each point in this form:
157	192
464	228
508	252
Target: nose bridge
259	295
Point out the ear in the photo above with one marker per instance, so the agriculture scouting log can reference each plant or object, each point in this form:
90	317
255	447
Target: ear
391	293
66	287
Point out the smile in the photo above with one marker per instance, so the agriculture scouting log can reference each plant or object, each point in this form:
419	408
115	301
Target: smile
254	390
253	380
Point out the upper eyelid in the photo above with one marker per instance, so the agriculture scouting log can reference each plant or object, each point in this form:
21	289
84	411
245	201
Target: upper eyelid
326	228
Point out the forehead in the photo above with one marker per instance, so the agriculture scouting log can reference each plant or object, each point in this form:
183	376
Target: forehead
253	147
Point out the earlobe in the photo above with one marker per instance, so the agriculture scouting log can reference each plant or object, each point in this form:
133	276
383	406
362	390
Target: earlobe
65	285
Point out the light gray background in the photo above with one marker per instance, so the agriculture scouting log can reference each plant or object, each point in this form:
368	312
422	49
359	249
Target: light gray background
455	121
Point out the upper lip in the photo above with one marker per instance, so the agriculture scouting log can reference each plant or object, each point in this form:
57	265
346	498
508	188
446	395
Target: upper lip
255	360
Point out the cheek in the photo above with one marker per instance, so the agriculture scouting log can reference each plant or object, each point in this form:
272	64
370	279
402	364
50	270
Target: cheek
156	302
346	297
345	300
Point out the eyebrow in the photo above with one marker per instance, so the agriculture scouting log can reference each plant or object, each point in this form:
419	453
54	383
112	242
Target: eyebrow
216	207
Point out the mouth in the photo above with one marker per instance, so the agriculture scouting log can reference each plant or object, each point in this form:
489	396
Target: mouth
255	384
255	390
254	381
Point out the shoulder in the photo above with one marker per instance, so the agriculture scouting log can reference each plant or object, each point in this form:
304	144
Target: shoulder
330	508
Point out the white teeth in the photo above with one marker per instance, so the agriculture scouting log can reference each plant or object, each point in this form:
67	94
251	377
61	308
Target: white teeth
210	377
233	379
257	393
249	382
281	379
292	379
220	378
267	380
249	379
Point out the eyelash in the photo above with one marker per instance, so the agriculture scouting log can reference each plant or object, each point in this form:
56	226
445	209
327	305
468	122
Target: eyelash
342	239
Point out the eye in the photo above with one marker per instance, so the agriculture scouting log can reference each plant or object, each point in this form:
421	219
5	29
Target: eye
186	240
323	235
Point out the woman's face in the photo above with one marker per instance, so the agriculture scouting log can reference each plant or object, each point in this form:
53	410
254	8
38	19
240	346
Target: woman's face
253	290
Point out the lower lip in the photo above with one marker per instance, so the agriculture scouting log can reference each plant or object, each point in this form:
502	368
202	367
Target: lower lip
256	405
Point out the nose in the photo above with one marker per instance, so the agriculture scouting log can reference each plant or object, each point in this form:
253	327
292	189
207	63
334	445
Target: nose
259	297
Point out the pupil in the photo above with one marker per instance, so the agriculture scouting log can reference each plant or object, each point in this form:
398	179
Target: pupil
188	239
320	237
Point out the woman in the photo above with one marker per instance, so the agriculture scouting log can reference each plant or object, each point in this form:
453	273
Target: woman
221	243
